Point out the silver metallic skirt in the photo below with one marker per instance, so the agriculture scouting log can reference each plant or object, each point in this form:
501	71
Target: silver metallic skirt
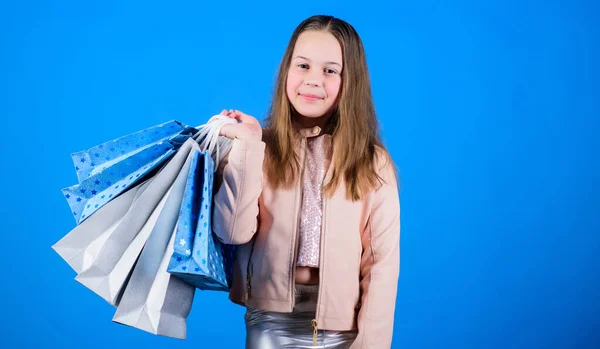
273	330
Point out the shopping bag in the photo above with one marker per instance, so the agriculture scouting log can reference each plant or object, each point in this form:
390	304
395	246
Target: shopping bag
163	308
108	169
80	247
108	272
199	257
154	300
115	244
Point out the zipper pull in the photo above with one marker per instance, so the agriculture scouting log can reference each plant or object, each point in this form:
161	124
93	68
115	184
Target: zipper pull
249	270
247	287
315	331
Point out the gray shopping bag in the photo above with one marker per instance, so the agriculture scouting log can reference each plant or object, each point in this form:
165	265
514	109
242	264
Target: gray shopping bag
154	300
80	247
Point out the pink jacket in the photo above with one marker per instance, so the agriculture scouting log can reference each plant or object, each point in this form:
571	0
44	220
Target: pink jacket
360	246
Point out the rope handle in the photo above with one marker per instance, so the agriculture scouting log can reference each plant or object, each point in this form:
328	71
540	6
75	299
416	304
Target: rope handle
208	136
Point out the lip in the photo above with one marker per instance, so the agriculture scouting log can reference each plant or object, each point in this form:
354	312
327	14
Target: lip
310	97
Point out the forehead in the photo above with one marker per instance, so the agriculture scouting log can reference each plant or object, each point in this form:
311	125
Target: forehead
320	46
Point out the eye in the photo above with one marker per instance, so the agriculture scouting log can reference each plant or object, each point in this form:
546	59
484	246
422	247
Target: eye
303	66
330	71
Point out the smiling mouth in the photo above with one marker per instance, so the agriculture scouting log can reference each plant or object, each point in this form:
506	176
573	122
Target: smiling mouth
309	97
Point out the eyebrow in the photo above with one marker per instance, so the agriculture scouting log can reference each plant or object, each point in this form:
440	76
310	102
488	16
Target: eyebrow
302	57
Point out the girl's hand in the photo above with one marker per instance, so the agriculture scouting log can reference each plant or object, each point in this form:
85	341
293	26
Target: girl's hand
248	127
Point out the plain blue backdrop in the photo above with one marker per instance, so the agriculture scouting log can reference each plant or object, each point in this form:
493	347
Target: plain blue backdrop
490	109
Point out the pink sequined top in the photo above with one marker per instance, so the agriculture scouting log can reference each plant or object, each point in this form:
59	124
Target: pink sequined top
318	157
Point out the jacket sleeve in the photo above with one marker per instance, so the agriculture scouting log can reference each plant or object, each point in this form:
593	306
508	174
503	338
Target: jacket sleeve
240	182
380	266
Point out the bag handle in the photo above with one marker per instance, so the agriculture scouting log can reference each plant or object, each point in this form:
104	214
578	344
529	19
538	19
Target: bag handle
209	139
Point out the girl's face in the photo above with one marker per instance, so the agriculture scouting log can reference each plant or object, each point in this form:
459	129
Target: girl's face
315	75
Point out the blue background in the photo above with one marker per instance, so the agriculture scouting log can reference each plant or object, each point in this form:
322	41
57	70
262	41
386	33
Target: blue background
491	111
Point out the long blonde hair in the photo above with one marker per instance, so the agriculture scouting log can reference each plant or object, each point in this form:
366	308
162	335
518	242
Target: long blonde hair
353	124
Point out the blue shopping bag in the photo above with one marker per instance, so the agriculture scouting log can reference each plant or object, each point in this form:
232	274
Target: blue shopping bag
106	170
199	257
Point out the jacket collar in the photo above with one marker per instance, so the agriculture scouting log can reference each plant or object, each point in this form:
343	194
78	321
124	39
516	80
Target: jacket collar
311	131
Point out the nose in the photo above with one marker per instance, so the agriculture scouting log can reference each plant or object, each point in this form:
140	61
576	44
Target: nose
312	83
313	79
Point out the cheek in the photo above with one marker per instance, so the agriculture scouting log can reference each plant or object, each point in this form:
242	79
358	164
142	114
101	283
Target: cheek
291	84
333	88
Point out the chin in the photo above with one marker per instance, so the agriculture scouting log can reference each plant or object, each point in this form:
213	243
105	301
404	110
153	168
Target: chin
312	113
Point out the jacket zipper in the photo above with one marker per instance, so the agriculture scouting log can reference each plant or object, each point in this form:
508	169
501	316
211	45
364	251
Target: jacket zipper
249	270
300	196
315	332
315	324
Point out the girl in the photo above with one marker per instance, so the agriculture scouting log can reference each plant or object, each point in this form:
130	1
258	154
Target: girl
312	202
